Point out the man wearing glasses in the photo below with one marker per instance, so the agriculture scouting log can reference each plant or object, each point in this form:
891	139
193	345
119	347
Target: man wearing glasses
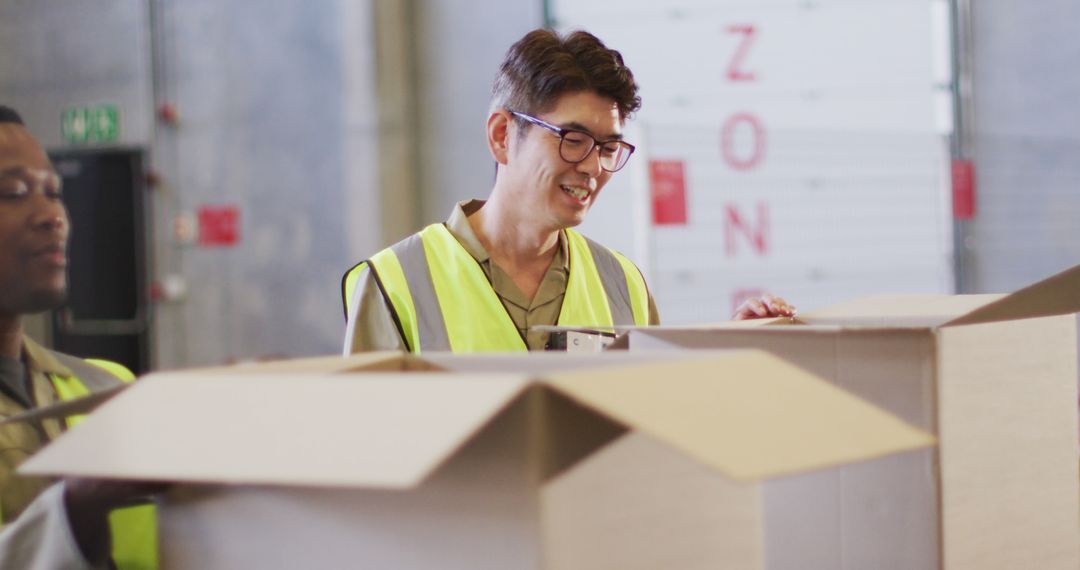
481	281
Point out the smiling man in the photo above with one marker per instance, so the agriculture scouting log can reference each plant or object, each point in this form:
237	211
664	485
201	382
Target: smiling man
497	268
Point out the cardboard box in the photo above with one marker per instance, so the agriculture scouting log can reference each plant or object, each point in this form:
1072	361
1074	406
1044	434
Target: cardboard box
612	461
993	376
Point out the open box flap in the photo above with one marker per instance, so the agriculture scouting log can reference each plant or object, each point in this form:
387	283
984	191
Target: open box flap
385	361
1056	295
380	430
748	415
894	311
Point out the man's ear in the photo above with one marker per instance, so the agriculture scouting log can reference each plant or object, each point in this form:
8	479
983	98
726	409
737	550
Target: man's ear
498	135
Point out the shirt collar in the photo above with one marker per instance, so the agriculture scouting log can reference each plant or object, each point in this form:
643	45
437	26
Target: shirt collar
458	224
40	360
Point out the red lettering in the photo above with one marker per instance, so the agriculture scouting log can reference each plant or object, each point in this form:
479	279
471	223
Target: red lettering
735	225
756	131
734	70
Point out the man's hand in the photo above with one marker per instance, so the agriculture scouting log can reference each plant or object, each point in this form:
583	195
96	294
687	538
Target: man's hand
765	306
88	503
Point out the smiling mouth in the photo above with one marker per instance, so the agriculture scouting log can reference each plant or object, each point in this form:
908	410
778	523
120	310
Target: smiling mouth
55	255
579	193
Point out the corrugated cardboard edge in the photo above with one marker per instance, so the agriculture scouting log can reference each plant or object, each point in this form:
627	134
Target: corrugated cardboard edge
66	409
740	324
925	310
1056	295
138	453
388	361
685	337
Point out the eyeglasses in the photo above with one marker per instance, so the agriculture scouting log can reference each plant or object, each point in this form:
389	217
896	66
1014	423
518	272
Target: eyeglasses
19	182
575	146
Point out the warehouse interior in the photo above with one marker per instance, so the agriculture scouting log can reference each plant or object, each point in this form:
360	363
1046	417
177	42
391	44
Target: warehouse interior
226	162
332	130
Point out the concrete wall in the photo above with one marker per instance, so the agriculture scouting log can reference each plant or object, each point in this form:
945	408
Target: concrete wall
271	96
278	119
460	44
56	54
1026	143
333	127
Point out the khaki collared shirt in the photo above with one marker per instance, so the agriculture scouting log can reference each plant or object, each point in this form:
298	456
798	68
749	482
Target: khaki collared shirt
371	326
21	440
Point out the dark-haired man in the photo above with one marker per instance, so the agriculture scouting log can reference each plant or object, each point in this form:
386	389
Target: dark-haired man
48	525
497	268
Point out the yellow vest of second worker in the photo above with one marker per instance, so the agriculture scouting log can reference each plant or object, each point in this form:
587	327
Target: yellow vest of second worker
442	300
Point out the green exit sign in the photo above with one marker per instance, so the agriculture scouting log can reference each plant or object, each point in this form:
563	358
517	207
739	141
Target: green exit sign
92	124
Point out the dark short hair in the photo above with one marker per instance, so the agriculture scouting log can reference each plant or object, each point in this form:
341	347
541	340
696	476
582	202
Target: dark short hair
9	115
542	66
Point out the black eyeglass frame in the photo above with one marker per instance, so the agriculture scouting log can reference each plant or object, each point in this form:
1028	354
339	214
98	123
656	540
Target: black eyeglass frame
562	138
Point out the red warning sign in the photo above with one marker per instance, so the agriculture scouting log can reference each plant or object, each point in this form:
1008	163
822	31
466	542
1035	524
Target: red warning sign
219	226
668	180
963	189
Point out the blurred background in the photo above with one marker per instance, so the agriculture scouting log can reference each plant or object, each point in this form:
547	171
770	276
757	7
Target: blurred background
226	161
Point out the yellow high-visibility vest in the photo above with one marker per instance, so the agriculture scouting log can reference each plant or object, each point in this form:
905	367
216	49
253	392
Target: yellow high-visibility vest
442	300
134	529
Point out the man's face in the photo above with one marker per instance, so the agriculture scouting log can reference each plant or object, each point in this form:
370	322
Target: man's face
553	190
33	226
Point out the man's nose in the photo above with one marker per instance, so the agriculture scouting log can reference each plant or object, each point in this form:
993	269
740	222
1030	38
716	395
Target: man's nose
49	213
591	164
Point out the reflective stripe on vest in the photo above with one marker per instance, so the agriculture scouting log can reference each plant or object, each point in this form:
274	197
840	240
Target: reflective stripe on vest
134	529
628	296
432	276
